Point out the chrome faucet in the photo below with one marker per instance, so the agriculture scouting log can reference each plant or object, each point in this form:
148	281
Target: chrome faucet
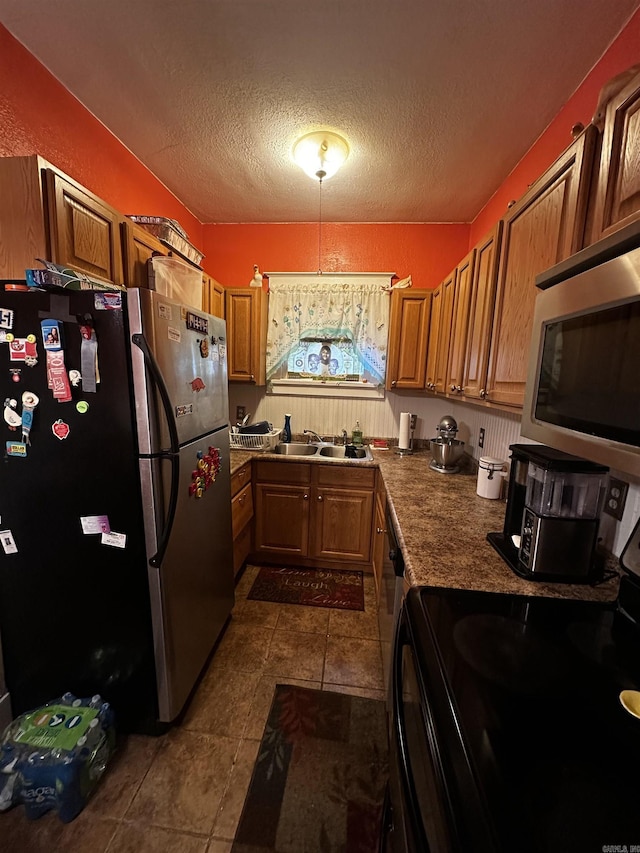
345	437
312	433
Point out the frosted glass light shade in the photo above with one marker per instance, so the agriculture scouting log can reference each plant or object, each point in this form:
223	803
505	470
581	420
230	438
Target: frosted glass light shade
320	154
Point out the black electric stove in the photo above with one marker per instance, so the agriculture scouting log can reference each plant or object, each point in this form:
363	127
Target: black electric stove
512	705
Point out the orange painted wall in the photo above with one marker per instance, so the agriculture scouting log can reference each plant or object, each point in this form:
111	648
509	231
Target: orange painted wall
39	116
426	252
624	52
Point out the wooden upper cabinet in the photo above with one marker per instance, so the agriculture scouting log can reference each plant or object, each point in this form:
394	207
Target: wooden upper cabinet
84	231
434	337
543	228
139	245
45	214
481	304
24	235
617	198
246	316
212	296
409	332
459	325
447	298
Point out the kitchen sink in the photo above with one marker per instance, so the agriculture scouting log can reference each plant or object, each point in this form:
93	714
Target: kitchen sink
340	452
326	451
296	448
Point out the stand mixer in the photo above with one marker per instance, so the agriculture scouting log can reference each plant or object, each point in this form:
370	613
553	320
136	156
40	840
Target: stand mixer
445	448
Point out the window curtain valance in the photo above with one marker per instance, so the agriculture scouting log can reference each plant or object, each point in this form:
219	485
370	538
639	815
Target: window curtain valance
350	309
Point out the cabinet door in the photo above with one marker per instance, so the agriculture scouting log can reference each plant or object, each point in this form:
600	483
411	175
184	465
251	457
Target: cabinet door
410	313
543	228
617	201
85	232
23	233
241	510
246	315
213	296
444	335
281	519
434	338
341	526
139	246
459	325
481	305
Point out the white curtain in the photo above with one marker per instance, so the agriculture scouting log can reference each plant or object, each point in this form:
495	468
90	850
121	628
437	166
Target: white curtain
338	307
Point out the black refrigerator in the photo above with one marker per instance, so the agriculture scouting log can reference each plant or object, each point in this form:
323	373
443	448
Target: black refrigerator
116	571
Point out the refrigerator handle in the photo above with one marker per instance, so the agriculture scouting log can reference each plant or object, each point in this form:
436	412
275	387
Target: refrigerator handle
157	558
156	375
173	454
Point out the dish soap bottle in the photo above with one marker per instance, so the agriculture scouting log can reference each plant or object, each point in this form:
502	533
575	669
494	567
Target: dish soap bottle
286	431
356	435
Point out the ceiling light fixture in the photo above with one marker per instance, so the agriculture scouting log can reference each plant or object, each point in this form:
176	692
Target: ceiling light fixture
320	154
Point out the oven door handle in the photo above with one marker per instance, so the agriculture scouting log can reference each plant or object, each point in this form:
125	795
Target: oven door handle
407	784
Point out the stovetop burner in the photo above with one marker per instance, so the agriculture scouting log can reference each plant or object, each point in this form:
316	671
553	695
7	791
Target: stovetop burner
534	686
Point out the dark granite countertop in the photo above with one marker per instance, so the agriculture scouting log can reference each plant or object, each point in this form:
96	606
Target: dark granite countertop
442	525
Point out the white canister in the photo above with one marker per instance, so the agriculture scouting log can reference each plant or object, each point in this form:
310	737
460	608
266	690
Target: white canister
490	476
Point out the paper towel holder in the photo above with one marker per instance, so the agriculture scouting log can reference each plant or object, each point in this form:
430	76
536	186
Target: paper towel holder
407	451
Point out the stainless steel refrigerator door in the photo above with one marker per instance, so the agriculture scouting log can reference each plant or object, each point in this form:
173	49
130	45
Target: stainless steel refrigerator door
189	349
192	591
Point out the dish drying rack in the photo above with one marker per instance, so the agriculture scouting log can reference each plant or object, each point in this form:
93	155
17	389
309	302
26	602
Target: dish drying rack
254	441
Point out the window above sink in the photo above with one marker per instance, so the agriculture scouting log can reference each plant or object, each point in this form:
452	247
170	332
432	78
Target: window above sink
327	334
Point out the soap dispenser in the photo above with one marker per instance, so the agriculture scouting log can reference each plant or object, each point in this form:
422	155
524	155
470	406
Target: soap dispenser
356	435
286	431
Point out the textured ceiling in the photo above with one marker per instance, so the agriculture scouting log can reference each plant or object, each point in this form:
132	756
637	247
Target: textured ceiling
438	99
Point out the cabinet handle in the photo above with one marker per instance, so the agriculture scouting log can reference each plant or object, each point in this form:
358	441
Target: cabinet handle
320	498
453	387
458	388
252	378
393	383
483	393
380	530
305	497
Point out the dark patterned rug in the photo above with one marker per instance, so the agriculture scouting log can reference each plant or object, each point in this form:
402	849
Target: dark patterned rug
319	779
313	587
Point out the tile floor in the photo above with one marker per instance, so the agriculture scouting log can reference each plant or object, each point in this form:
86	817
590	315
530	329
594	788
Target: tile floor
183	792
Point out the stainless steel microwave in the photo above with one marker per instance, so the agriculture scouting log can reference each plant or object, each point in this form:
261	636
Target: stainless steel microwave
583	389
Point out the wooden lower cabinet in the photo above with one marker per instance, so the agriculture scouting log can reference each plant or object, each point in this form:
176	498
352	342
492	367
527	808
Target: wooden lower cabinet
314	515
282	519
342	513
241	515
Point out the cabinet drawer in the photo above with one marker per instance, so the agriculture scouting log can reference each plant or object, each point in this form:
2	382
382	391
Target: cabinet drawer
240	478
282	472
346	476
241	509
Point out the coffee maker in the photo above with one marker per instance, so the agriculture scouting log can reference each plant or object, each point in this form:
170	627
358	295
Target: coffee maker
554	501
